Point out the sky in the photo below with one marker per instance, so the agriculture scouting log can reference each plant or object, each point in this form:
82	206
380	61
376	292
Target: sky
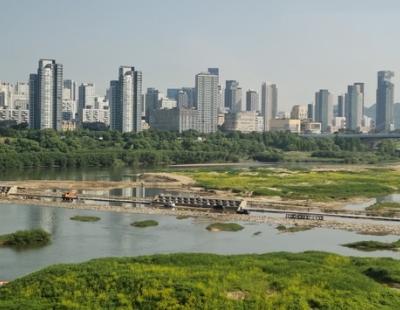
301	45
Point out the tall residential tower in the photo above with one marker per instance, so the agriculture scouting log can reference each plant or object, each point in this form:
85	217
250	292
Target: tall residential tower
384	101
324	109
269	103
354	106
126	100
45	95
207	102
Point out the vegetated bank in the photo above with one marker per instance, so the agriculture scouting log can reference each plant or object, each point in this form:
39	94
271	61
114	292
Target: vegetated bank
321	185
386	208
224	227
293	229
85	218
21	147
370	246
310	280
26	238
145	223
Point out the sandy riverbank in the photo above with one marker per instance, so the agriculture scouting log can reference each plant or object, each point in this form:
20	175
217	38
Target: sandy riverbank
174	182
361	226
156	180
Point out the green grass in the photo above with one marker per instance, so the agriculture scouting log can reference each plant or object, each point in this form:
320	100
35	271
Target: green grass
301	184
224	227
85	218
26	238
146	223
369	246
310	280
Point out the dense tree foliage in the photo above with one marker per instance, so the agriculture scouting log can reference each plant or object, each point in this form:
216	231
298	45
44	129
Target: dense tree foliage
310	280
21	147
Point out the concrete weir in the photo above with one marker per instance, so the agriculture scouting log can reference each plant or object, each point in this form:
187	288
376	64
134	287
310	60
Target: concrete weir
200	202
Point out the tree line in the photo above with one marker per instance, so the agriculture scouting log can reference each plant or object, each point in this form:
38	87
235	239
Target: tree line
22	147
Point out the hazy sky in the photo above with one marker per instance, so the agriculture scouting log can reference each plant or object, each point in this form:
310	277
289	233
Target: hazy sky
301	45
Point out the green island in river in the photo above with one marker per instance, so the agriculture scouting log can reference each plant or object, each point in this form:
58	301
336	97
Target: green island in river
310	280
26	239
85	218
224	227
145	223
370	246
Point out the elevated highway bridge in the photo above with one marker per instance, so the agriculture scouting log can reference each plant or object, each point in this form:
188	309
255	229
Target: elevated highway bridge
364	136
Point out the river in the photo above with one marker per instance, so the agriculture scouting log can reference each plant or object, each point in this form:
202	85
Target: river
114	236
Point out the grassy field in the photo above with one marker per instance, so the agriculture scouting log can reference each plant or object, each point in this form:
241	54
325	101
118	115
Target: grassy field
310	280
301	184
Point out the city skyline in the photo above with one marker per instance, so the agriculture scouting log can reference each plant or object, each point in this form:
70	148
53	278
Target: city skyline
283	36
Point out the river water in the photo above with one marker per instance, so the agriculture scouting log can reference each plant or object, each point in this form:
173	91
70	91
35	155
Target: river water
114	236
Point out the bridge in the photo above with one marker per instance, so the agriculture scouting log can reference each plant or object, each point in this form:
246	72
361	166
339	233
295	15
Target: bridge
365	136
200	202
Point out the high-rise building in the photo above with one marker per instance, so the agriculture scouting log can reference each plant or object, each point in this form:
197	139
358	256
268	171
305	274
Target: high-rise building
241	121
324	109
299	112
69	105
186	97
126	100
384	102
69	90
191	95
233	96
252	100
182	100
354	106
152	97
310	111
362	90
213	71
6	91
172	93
86	97
269	103
341	104
98	113
175	119
20	100
207	101
87	94
45	95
